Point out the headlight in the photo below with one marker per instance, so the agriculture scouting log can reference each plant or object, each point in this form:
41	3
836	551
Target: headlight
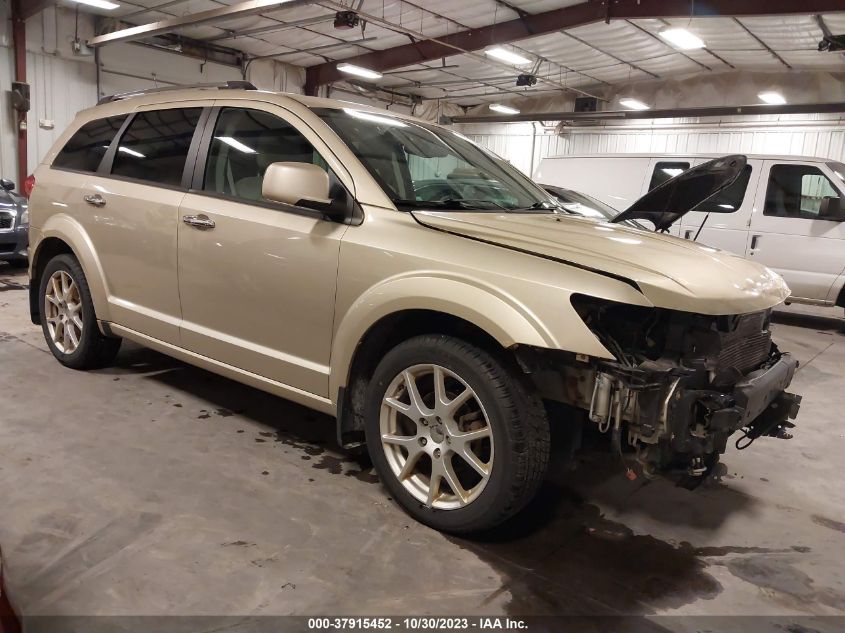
24	219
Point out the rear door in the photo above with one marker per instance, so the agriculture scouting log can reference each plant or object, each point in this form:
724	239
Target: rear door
131	210
258	282
787	233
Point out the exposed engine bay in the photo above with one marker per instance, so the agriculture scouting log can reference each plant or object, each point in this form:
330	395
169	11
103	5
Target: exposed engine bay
680	386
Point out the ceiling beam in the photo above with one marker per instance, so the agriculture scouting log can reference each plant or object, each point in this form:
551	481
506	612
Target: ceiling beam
559	19
625	115
174	24
31	8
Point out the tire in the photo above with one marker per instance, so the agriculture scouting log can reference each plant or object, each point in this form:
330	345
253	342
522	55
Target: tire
502	423
90	349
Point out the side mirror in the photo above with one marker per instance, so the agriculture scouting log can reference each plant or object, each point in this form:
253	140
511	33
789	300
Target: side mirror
7	185
831	209
296	184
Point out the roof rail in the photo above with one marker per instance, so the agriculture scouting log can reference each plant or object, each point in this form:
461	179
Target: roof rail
225	85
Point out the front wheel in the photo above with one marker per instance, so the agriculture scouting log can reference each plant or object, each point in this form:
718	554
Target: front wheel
454	433
67	317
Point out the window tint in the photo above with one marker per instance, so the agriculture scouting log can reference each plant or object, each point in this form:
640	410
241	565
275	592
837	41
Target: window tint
86	148
244	144
730	199
797	191
155	146
666	171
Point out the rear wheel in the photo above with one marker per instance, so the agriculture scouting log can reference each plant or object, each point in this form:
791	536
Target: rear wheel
455	435
67	317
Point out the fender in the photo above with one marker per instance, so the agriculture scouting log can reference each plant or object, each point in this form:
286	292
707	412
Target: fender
499	314
67	229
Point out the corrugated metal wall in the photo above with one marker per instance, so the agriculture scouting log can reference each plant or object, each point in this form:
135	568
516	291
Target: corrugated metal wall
807	135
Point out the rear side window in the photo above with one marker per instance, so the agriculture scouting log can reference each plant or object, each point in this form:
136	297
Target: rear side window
796	191
155	146
246	142
664	171
86	148
730	199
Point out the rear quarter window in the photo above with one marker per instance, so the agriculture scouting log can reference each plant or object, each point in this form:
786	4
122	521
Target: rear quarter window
86	148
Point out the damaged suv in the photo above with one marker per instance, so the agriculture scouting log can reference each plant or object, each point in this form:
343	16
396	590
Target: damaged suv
395	275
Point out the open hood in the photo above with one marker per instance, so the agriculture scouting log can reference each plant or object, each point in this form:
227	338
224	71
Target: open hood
666	204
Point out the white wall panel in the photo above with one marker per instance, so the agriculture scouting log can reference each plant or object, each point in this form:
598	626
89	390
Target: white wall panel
812	135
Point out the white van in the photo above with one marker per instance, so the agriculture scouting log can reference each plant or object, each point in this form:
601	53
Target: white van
783	211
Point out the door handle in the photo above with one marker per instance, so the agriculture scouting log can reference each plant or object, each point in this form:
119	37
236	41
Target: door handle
755	239
199	221
95	200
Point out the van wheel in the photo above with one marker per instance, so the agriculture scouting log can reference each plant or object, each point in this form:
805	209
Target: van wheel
457	438
67	317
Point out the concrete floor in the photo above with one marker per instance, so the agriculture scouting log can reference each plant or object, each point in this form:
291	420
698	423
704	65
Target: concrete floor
156	488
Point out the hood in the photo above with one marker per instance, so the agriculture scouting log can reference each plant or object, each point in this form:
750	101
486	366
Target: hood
671	272
666	204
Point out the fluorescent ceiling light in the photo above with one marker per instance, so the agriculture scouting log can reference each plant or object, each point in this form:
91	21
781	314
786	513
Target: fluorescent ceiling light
772	98
233	142
672	171
633	104
503	109
682	39
99	4
131	152
375	118
507	56
366	73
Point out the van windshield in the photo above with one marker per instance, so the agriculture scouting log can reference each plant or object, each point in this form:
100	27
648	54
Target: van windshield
425	167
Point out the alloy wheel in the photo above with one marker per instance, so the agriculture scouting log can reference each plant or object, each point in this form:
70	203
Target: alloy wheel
63	312
436	436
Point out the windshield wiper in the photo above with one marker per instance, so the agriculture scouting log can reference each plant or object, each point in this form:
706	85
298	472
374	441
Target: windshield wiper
450	203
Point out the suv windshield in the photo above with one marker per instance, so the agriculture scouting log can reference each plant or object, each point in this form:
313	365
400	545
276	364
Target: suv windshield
425	167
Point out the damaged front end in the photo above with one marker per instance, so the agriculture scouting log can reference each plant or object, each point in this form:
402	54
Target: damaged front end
680	386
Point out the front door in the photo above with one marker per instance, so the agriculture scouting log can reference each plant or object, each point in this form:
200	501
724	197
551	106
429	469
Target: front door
723	220
789	235
258	287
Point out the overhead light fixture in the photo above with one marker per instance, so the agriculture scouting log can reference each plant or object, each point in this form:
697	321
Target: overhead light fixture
366	73
99	4
375	118
233	142
682	39
772	98
672	171
633	104
131	152
507	56
497	107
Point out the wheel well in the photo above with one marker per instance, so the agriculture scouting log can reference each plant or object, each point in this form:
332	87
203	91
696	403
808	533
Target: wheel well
840	300
47	250
383	336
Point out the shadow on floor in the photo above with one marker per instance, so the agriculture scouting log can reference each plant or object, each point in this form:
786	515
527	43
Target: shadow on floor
810	321
561	554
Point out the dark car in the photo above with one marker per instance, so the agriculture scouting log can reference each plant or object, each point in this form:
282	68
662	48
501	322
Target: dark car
14	225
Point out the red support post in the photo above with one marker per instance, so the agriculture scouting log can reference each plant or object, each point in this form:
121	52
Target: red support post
19	44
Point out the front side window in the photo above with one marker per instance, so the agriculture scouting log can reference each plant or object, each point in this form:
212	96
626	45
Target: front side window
86	148
246	142
730	198
797	191
155	146
666	170
423	166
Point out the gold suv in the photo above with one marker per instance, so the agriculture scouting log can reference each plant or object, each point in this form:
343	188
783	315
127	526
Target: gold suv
395	275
